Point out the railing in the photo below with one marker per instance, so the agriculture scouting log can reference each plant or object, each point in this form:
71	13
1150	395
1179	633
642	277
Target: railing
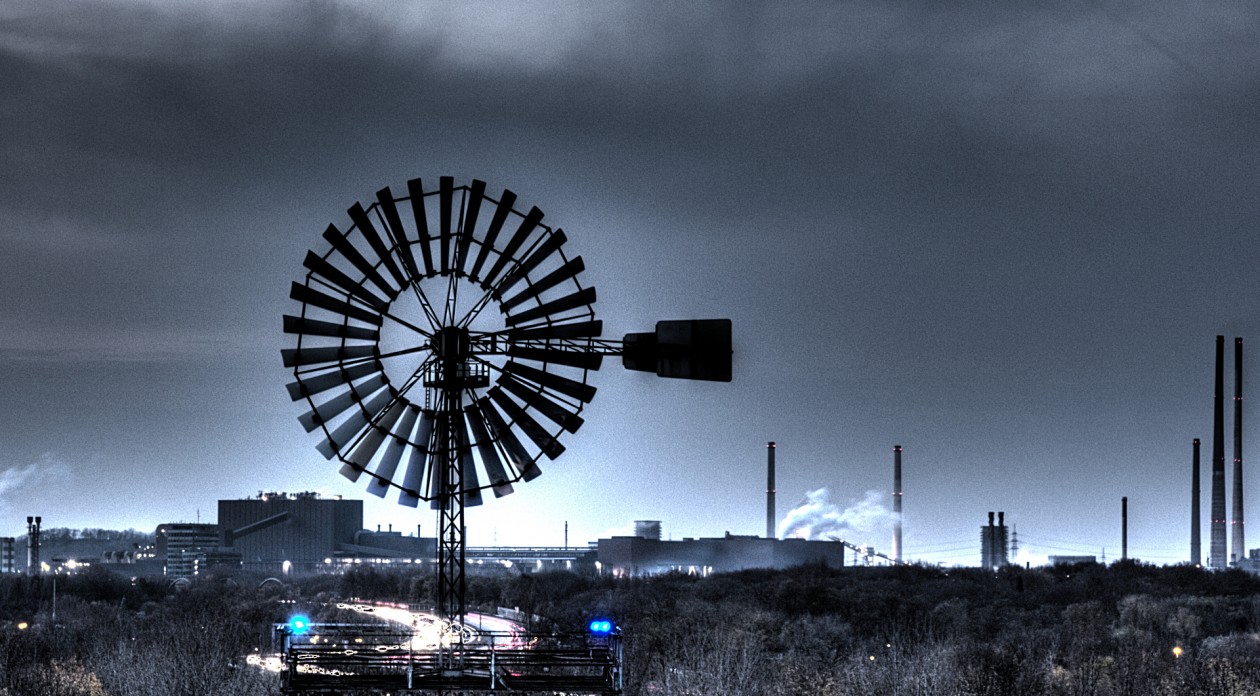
345	657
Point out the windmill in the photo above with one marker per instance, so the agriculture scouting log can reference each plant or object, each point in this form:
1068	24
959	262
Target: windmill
445	342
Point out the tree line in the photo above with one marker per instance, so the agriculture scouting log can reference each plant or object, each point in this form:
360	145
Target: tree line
1086	630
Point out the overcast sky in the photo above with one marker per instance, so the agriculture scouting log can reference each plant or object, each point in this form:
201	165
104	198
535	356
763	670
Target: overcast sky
1001	235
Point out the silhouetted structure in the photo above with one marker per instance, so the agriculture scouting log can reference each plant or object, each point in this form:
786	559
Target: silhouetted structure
1124	528
634	556
1196	545
993	543
8	562
770	520
1217	552
1236	520
310	528
458	434
1071	560
896	496
32	545
183	547
648	529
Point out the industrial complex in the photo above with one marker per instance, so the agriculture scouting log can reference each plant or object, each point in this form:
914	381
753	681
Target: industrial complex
284	533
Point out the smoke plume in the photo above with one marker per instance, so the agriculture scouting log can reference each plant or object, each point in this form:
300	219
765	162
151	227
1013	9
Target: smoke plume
18	481
818	518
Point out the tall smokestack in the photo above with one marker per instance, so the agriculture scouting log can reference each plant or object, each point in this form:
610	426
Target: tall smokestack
1216	553
897	502
987	551
33	564
1124	528
770	491
1236	520
1196	545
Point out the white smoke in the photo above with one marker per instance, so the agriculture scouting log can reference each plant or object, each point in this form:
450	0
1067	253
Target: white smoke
817	518
42	474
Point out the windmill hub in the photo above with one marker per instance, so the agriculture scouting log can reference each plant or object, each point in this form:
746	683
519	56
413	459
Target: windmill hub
451	344
455	367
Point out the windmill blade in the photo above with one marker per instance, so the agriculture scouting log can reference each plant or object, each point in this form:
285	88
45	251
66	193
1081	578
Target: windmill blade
320	267
416	190
554	412
384	474
476	192
395	230
468	466
585	296
517	456
356	422
509	252
544	440
577	329
297	357
315	298
367	448
567	271
330	409
364	224
569	387
416	464
492	232
315	327
446	194
489	454
343	246
586	360
306	386
549	246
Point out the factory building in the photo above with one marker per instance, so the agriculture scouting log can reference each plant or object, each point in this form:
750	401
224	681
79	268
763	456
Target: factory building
8	556
1071	560
183	546
300	528
388	545
994	548
648	555
303	532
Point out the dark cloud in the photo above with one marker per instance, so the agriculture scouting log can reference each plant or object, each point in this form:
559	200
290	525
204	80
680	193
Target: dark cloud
995	233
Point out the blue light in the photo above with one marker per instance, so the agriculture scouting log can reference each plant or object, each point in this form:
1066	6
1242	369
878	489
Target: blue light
601	626
299	624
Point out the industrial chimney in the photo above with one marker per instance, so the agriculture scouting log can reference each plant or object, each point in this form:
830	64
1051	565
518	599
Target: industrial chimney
1216	552
1196	545
1236	520
770	491
1124	528
896	496
33	564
